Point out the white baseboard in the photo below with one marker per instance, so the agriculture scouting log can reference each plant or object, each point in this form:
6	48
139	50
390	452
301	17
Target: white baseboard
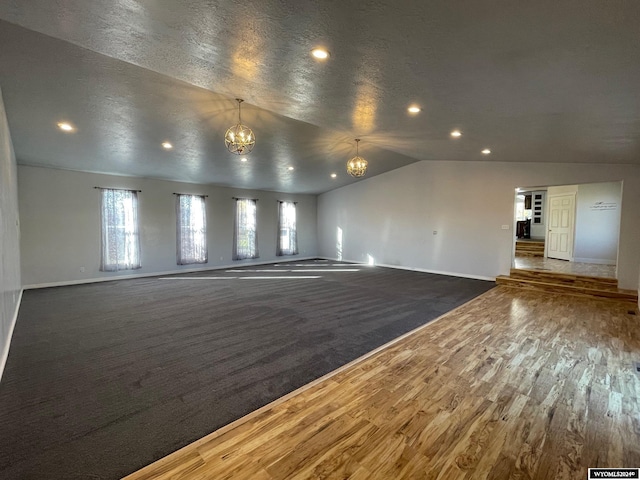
597	261
414	269
158	274
5	348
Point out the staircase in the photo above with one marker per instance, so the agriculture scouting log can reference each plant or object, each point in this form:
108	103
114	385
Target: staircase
529	248
567	283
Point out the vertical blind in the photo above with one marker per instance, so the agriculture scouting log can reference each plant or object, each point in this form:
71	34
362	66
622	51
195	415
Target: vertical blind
287	234
120	244
191	229
245	235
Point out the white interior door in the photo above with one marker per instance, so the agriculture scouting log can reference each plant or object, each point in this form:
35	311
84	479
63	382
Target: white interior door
561	221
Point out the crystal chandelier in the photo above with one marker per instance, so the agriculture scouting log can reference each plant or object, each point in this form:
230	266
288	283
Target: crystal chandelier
357	166
239	139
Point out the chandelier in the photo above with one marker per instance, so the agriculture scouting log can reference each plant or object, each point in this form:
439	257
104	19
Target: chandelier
239	139
357	166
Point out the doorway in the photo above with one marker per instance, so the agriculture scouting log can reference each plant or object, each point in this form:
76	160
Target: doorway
575	229
559	238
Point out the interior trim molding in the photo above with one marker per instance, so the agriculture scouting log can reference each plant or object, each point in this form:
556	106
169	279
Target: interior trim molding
158	274
7	345
415	269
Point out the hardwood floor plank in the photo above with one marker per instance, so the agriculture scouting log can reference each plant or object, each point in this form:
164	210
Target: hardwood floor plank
310	459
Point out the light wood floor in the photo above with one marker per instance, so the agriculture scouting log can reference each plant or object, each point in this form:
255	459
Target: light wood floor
562	266
514	384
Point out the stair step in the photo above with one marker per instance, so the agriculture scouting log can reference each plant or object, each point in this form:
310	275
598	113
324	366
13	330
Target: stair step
520	253
530	242
606	293
558	278
529	248
535	248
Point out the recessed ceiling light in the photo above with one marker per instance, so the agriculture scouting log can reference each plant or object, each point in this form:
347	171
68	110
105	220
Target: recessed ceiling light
486	151
167	145
414	109
456	133
290	168
243	159
320	53
334	175
67	127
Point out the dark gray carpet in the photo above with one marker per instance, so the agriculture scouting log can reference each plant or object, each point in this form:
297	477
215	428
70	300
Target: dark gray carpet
103	379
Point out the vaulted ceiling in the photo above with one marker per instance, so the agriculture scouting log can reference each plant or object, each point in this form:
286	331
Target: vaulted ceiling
542	81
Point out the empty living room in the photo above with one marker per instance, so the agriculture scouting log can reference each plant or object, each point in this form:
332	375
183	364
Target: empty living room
319	240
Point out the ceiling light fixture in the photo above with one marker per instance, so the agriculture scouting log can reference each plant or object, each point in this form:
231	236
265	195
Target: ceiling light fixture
357	166
320	53
64	126
243	159
290	168
167	145
334	175
239	139
486	151
414	109
456	133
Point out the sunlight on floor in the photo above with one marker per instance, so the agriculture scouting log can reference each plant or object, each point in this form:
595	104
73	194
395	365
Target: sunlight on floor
279	277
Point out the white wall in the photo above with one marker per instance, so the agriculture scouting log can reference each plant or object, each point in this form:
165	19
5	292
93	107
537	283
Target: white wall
10	285
597	224
392	216
60	215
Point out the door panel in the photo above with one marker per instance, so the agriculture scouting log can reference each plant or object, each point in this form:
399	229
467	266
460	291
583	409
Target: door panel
561	222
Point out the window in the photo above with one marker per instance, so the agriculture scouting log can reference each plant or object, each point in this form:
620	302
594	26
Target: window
522	213
245	237
287	235
191	229
120	238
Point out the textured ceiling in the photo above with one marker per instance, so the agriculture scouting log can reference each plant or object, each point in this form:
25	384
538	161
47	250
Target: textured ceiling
542	81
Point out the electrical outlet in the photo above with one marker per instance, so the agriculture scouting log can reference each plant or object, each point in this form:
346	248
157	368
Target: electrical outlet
81	269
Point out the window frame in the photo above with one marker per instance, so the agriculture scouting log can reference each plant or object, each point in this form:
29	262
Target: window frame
289	226
184	230
245	234
127	231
